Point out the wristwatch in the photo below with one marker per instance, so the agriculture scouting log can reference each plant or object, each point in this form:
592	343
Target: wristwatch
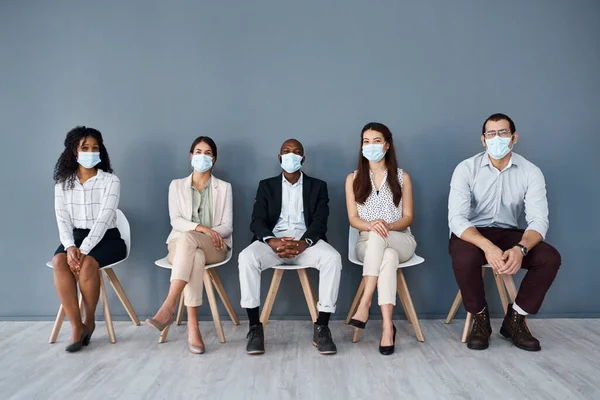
524	249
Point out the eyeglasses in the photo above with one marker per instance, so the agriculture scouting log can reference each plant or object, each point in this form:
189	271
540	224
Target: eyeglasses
503	133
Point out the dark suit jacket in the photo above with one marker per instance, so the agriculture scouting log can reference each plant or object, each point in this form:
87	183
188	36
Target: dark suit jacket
267	208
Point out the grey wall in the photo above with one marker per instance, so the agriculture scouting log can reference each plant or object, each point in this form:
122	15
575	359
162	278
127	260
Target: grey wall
154	75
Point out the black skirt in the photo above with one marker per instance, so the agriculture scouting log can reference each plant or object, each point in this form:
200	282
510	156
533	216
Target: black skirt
109	250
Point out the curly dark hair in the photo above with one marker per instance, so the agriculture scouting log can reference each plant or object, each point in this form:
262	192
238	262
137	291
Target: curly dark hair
66	167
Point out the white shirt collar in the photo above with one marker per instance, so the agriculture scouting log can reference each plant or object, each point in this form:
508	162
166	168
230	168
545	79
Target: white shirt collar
299	183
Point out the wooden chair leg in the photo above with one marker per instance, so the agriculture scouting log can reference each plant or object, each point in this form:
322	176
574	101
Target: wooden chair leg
212	301
410	306
501	291
454	308
308	294
107	317
223	295
510	286
356	301
180	309
60	317
268	306
467	328
116	284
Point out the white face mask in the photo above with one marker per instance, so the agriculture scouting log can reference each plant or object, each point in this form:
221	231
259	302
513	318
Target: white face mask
497	147
202	162
88	159
291	162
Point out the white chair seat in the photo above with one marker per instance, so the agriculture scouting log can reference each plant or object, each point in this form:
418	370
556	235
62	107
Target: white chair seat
353	257
163	263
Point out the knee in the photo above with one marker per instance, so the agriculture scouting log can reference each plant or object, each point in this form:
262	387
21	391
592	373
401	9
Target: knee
466	254
89	268
552	258
374	238
333	260
59	262
246	259
186	238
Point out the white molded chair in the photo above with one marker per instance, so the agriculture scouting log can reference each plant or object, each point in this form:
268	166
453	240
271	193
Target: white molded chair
403	292
124	229
307	288
210	278
504	282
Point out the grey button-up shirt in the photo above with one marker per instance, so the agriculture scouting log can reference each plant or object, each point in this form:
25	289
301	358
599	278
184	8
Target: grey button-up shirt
482	196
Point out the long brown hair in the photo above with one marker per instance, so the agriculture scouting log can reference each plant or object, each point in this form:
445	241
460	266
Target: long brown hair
362	182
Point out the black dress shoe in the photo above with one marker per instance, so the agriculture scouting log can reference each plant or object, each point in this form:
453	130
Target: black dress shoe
514	328
323	341
359	324
479	338
256	340
78	345
389	350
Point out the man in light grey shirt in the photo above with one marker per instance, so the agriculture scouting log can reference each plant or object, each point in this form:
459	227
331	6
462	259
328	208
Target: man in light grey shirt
488	193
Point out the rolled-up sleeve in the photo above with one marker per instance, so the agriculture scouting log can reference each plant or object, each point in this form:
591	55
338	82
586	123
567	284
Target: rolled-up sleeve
459	200
536	203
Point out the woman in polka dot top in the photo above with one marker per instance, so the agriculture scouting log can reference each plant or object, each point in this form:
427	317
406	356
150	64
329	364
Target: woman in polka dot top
380	205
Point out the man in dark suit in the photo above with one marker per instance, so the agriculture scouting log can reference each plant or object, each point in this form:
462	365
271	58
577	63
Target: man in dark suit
289	222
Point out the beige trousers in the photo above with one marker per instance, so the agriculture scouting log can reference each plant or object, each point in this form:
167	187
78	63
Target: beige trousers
381	256
188	255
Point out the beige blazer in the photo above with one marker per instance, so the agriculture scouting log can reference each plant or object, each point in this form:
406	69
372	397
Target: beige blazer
180	208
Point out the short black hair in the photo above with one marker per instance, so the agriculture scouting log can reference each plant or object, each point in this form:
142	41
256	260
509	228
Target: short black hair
499	117
296	141
211	143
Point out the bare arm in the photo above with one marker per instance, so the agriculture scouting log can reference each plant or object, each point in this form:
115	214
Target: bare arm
353	217
407	206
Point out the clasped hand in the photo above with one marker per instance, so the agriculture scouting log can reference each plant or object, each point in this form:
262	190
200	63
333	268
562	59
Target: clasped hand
287	247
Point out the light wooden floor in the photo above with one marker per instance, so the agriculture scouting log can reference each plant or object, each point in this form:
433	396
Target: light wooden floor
136	366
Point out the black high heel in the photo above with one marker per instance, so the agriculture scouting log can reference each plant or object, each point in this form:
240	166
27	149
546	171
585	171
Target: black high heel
78	345
359	324
86	340
388	350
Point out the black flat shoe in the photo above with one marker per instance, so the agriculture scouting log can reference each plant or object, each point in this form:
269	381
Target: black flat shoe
388	350
359	324
78	345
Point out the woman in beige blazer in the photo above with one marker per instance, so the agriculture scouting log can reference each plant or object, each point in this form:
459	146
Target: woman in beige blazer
201	212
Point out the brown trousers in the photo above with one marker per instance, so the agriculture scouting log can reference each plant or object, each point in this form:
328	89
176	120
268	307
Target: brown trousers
542	264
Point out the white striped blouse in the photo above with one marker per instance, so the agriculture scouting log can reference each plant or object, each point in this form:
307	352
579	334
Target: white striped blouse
92	206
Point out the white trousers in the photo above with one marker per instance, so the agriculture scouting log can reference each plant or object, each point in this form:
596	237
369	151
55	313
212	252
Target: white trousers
259	256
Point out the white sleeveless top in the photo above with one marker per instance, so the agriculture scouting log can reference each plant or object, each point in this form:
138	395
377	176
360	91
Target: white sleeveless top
380	205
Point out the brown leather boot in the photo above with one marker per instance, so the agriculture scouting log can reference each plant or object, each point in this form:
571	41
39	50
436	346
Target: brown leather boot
514	328
479	338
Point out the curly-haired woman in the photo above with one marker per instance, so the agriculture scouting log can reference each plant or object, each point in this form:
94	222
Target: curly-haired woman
86	196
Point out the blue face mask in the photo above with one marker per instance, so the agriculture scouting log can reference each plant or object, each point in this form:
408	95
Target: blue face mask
202	162
373	152
88	159
291	162
497	147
